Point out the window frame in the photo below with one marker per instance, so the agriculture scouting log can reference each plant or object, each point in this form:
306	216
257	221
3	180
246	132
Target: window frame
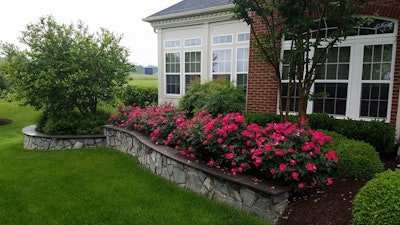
172	74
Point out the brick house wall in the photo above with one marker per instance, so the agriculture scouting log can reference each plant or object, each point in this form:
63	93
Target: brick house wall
262	88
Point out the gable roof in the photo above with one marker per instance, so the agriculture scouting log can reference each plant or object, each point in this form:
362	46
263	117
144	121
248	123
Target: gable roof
187	7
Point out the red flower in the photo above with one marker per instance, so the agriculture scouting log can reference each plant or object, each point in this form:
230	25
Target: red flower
311	167
272	171
292	162
239	119
211	163
295	175
300	185
229	156
282	167
332	155
329	180
280	152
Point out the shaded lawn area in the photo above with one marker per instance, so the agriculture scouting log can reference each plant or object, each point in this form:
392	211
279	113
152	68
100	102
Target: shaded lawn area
92	186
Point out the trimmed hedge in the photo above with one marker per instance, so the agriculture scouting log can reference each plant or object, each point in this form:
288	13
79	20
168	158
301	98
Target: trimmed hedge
357	159
378	202
377	133
139	95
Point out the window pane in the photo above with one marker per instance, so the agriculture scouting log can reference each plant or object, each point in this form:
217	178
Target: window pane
376	71
387	53
374	102
368	53
331	72
344	54
377	53
366	74
343	73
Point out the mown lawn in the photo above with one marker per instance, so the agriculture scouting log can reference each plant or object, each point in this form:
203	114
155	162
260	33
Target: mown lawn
143	80
91	186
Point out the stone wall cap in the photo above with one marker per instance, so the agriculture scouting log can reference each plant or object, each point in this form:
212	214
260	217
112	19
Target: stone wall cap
31	131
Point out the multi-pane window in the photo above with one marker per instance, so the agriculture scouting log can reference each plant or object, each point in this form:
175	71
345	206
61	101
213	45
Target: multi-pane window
223	39
222	64
332	81
172	44
243	37
356	78
192	67
242	66
172	72
193	42
376	76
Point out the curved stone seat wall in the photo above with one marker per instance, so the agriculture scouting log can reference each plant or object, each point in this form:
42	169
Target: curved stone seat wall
37	140
263	198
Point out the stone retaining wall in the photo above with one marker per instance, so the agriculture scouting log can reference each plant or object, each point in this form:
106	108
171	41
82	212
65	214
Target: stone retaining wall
36	140
263	198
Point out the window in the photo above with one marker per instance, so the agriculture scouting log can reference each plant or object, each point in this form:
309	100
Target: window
242	64
224	39
243	37
332	82
172	73
193	42
172	44
192	68
376	76
357	76
222	64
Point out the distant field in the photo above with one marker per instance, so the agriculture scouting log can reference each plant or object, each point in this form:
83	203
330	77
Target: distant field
143	80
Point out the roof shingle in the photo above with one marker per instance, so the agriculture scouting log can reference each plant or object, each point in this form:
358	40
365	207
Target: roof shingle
190	5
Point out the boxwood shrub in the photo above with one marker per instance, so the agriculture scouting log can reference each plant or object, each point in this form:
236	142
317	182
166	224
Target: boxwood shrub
321	121
357	159
379	134
378	202
262	119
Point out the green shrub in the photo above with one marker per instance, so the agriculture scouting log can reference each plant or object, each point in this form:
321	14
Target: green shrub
262	119
378	202
217	97
357	159
321	121
377	133
139	95
72	123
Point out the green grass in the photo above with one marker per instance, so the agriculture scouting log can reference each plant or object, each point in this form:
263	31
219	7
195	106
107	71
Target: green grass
144	80
92	186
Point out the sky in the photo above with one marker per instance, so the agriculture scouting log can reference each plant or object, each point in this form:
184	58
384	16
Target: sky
123	17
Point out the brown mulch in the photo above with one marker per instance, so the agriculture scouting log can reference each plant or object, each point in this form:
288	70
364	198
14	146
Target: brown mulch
330	205
5	121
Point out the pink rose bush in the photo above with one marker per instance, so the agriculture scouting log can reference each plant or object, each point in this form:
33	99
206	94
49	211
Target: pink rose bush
289	152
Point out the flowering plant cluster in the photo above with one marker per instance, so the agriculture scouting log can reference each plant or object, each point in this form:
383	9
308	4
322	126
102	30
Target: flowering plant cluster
289	152
156	121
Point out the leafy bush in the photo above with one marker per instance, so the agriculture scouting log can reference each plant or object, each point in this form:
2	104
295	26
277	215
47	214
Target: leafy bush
217	97
139	95
72	123
377	133
377	203
321	121
357	159
290	153
262	119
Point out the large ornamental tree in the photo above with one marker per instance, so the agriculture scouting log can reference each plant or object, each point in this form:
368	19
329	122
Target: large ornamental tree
65	68
304	22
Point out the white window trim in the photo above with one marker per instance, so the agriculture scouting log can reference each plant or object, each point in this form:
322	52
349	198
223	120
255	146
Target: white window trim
246	41
357	44
193	46
222	35
184	71
172	40
180	74
233	60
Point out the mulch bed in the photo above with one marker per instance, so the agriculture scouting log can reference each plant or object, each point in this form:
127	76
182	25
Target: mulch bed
330	205
5	121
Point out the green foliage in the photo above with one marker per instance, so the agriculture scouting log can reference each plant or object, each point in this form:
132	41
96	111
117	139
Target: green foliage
139	95
262	119
321	121
379	134
357	159
66	68
72	123
217	97
378	202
